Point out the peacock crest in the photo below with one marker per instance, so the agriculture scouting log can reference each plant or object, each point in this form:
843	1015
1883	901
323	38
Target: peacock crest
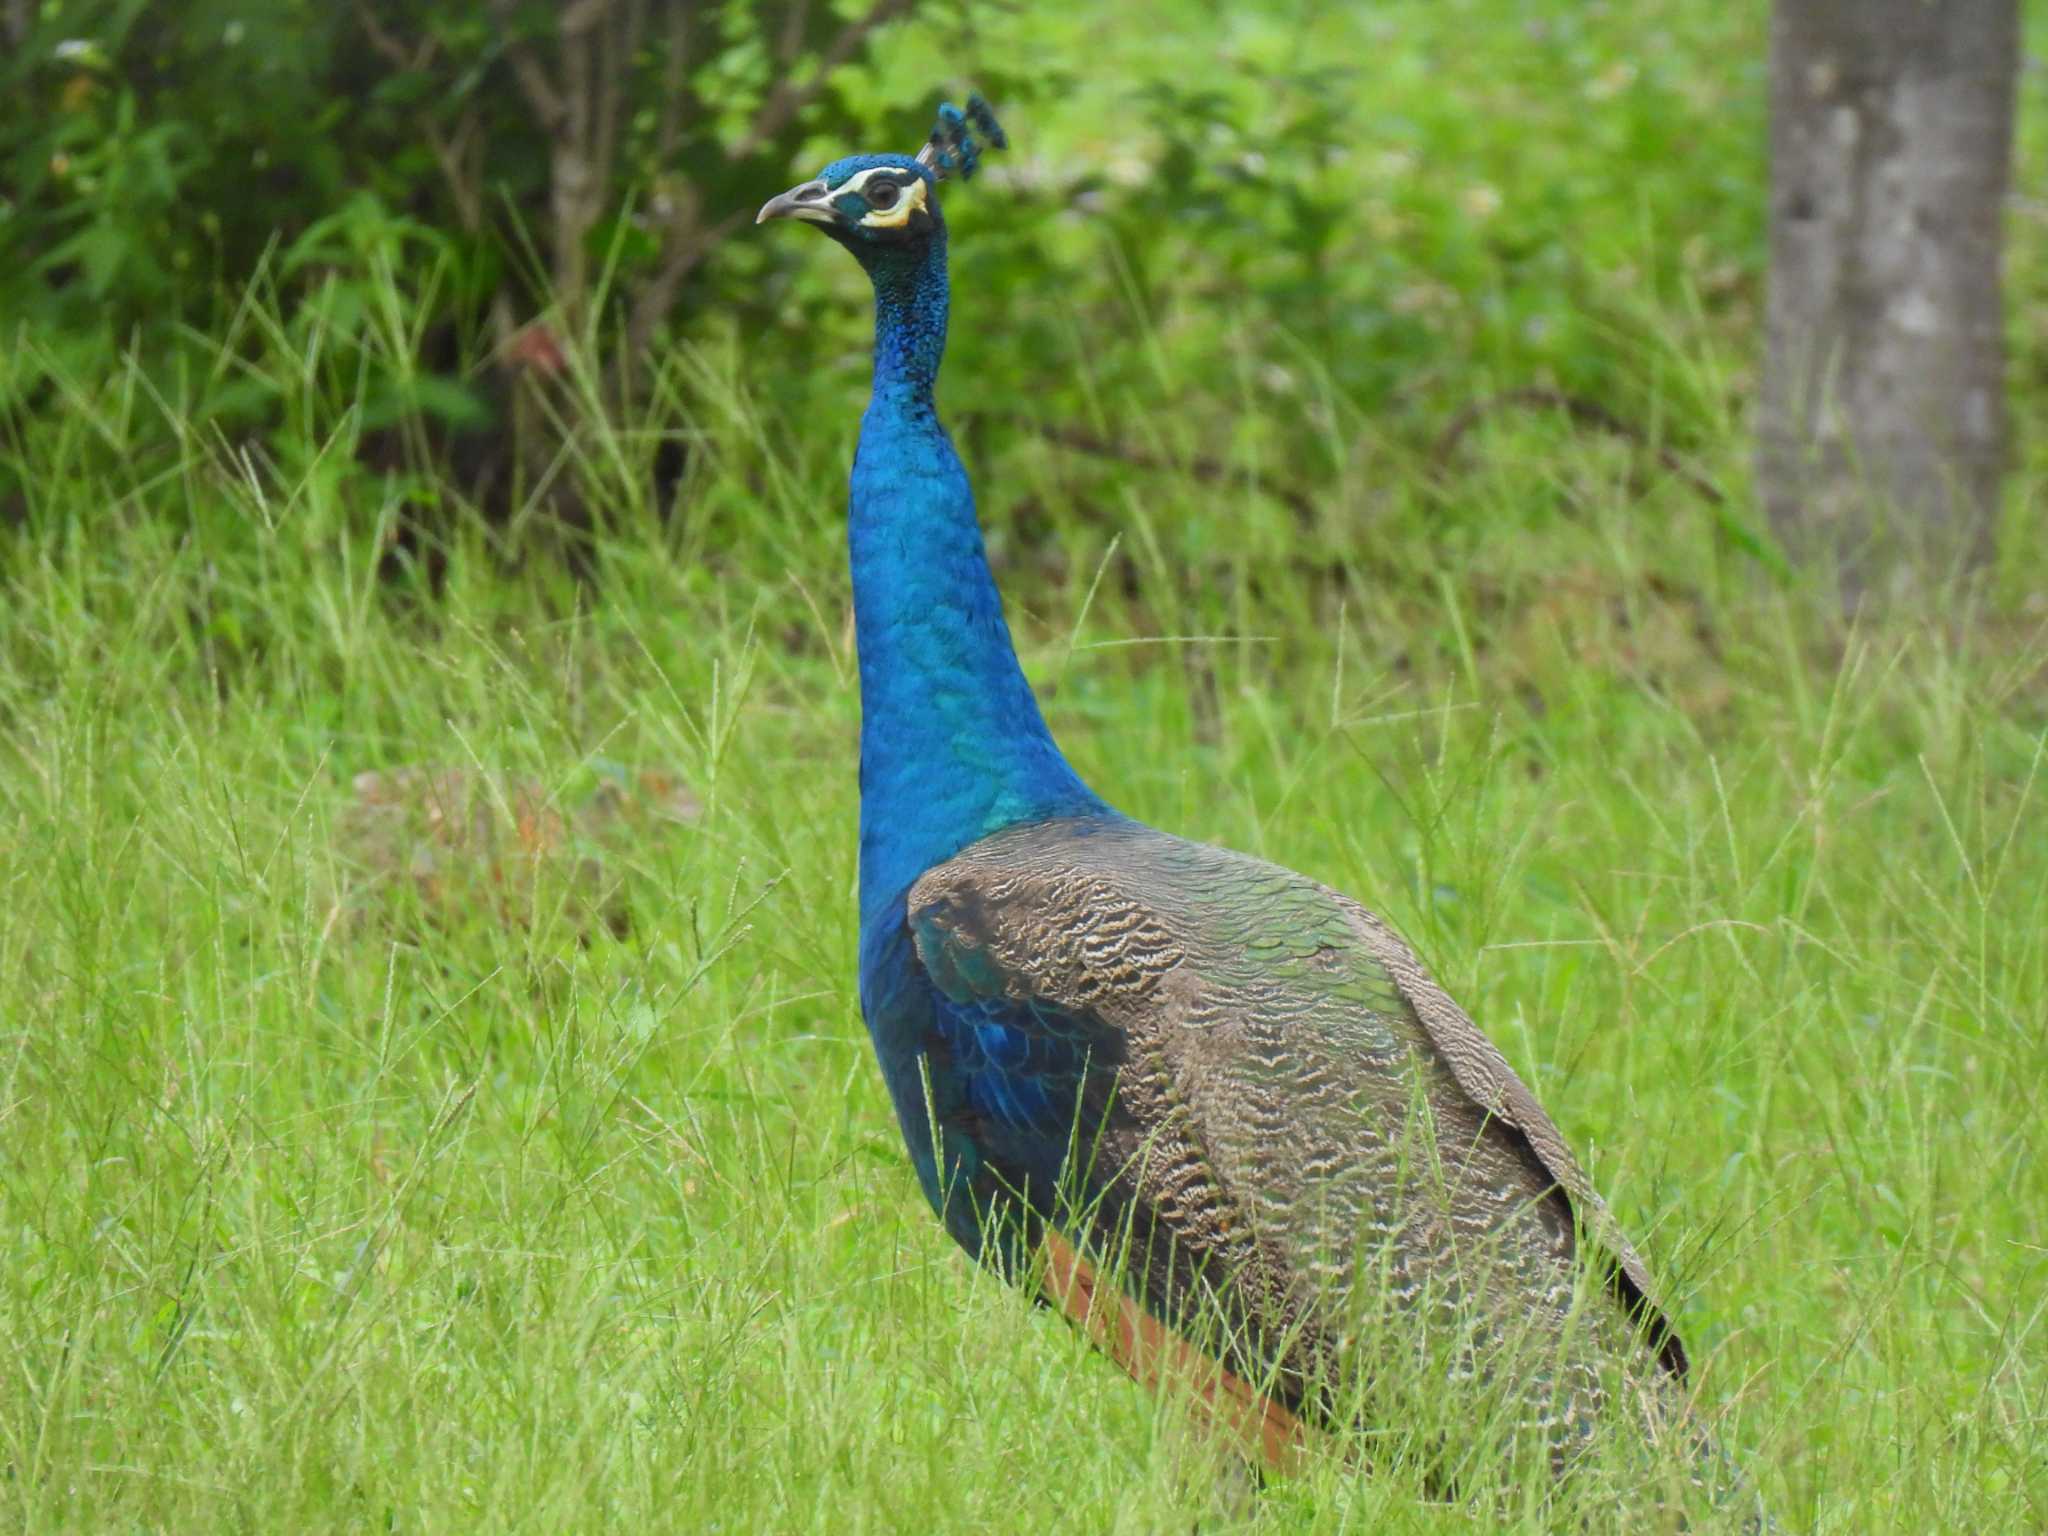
953	150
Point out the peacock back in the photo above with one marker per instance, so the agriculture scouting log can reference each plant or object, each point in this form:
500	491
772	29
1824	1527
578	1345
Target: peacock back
1282	1133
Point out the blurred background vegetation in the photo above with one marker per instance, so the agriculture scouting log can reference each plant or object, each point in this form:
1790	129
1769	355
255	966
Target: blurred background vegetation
1307	249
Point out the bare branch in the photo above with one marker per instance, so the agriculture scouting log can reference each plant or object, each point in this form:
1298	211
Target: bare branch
461	161
792	41
616	47
787	99
574	126
675	73
584	15
540	92
675	78
681	255
457	155
579	170
387	43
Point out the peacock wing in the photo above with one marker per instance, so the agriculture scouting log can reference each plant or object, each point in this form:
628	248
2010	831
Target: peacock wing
1248	1053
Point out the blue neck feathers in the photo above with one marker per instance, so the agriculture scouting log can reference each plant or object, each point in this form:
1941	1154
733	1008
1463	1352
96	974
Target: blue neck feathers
952	744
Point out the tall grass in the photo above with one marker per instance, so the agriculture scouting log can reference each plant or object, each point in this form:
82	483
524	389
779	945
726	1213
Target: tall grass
434	1096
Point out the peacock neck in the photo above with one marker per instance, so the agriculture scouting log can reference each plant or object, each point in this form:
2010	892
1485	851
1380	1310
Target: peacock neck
952	745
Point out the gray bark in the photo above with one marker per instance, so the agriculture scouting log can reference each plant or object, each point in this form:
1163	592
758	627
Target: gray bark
1882	440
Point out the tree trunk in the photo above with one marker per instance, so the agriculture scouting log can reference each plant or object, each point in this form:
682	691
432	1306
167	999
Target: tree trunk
1882	440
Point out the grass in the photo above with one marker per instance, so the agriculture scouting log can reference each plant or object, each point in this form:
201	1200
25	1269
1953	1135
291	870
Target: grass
493	1143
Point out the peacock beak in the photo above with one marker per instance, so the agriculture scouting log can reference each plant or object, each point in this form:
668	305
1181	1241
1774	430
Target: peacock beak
810	201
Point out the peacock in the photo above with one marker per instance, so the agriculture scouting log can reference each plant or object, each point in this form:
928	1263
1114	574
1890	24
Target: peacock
1215	1111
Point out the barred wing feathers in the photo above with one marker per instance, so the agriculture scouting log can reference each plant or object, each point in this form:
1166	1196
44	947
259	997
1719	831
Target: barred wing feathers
1249	1055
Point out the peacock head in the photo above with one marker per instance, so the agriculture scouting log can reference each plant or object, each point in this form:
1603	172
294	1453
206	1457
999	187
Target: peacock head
874	204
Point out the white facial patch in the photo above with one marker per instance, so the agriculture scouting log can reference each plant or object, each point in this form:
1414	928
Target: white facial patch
911	199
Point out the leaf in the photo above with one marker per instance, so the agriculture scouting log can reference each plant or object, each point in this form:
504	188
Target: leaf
449	400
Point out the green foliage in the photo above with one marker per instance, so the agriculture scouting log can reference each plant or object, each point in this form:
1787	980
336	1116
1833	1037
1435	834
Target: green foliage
154	151
1323	236
506	174
1441	211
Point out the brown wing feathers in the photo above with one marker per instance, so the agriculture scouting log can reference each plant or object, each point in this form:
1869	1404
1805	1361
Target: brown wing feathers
1268	1032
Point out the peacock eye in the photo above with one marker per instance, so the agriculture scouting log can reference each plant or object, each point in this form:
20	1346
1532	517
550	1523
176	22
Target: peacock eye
881	194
